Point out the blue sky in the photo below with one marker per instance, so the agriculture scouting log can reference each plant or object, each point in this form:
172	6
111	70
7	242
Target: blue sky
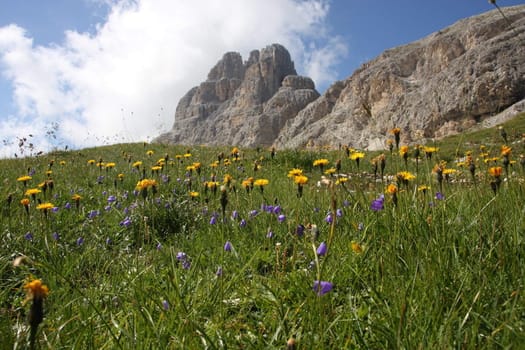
91	72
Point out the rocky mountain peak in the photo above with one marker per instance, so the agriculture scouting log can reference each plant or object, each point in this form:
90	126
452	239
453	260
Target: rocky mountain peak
448	82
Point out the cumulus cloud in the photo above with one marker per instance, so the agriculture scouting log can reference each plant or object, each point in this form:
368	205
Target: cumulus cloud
122	82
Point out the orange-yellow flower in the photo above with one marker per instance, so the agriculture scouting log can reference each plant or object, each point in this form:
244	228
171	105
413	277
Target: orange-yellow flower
295	172
45	206
24	178
495	171
300	180
321	162
391	189
36	289
261	182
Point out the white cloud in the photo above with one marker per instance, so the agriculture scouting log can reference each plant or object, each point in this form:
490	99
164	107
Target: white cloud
122	82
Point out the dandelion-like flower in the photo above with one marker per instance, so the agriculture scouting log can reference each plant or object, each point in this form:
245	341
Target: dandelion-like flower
36	293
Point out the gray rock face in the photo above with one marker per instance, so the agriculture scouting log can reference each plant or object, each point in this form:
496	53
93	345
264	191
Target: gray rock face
246	104
445	83
442	84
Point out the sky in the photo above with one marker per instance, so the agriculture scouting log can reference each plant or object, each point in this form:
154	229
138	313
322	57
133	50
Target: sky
81	73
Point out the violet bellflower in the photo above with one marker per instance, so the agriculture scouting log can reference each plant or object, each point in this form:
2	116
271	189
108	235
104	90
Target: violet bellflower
322	287
322	249
378	204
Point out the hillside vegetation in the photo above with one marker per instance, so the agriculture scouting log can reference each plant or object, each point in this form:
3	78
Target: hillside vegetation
154	246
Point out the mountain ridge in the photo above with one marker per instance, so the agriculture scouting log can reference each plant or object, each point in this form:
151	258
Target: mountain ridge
447	82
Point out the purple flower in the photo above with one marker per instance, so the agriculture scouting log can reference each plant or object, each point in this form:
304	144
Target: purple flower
56	237
316	210
213	220
219	272
378	204
253	213
329	219
93	213
186	265
440	196
339	213
277	209
108	241
165	305
107	208
322	287
80	241
227	246
159	246
54	209
269	234
67	205
267	208
126	222
112	199
28	236
346	203
281	218
242	223
321	250
235	214
181	256
100	179
299	230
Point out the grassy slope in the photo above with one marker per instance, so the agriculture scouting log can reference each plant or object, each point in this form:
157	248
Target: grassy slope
432	274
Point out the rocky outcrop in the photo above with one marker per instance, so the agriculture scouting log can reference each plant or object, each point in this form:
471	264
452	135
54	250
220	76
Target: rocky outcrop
445	83
242	103
442	84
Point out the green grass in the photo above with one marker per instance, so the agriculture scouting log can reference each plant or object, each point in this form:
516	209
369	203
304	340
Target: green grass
432	273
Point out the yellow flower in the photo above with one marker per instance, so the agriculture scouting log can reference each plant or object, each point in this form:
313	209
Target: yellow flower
330	171
248	182
156	168
295	172
321	162
261	182
356	247
120	176
391	189
137	164
194	194
300	180
91	161
32	192
24	178
395	131
36	289
227	179
448	171
45	206
76	197
341	180
403	150
149	152
505	150
110	165
187	155
357	155
235	151
423	188
405	175
495	171
25	202
429	150
145	184
62	162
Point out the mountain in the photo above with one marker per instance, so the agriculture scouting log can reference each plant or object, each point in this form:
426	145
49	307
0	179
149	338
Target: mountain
445	83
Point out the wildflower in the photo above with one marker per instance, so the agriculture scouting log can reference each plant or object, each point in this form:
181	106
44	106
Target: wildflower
242	223
269	234
213	220
112	199
295	172
281	218
495	172
228	246
403	152
378	204
56	236
45	207
36	292
357	156
25	203
322	249
429	151
159	246
137	165
24	179
91	161
32	192
330	171
300	180
423	188
339	213
126	222
299	231
93	213
321	163
440	196
194	194
219	271
329	218
80	241
356	247
165	305
261	183
396	132
322	287
28	236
